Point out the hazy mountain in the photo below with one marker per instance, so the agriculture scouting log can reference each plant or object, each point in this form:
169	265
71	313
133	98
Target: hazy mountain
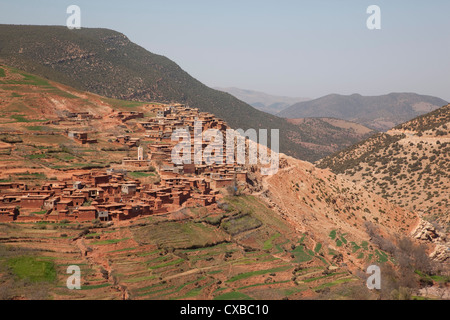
325	136
272	104
376	112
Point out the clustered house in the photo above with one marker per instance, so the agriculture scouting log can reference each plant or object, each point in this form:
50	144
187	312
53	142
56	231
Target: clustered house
114	194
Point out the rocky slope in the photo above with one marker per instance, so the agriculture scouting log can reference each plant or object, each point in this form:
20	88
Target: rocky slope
408	165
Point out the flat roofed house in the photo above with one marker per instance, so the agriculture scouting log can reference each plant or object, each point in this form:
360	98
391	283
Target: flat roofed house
33	201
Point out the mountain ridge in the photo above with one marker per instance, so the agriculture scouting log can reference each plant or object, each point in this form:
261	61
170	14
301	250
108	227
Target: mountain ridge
376	112
263	101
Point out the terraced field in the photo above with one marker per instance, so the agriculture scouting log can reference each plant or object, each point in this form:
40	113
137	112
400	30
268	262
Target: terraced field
158	258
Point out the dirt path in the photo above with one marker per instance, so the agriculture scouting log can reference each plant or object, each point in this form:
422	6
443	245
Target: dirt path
98	259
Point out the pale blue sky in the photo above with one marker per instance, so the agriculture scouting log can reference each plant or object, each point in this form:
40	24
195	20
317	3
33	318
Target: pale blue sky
295	48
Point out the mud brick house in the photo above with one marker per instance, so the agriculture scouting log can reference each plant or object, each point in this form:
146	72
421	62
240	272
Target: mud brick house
81	137
146	125
78	185
87	213
64	215
51	203
135	163
36	192
100	179
203	200
218	181
94	192
83	115
109	189
33	201
128	141
164	112
11	198
111	171
129	115
63	205
58	188
129	189
131	211
103	216
5	185
154	135
78	136
8	213
240	174
112	206
77	199
189	168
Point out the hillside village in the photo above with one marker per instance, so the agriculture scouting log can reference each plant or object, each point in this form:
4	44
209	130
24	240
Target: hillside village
110	194
91	180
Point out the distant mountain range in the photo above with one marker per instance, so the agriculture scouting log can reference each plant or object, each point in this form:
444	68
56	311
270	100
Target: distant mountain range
262	101
376	112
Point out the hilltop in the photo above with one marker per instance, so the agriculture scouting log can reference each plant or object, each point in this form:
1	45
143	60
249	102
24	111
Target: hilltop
107	63
32	134
380	113
408	165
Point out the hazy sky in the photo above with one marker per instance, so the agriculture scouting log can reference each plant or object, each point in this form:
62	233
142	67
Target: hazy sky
294	48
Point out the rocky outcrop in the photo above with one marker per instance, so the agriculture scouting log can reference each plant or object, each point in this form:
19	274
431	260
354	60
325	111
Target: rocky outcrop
425	231
441	253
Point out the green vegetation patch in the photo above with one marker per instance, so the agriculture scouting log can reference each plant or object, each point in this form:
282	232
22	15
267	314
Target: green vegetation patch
334	283
138	174
21	118
382	256
333	234
268	243
110	241
240	223
32	268
257	273
365	245
300	255
179	235
166	264
355	247
31	176
318	247
97	286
